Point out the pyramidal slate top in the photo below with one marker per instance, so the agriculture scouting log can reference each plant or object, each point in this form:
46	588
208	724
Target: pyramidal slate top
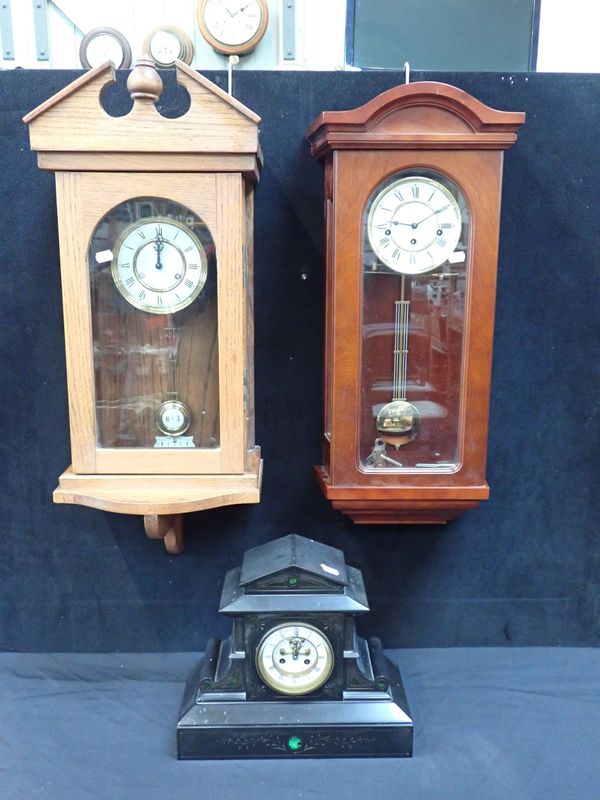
294	551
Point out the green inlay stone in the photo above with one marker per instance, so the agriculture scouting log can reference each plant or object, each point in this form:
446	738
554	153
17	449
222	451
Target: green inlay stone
295	743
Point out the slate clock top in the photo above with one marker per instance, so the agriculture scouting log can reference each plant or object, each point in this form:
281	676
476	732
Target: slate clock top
294	551
293	574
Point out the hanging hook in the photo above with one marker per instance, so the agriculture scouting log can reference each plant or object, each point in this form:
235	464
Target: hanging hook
406	72
231	61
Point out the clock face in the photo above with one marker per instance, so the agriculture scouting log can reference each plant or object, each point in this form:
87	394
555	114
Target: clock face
294	658
159	265
168	43
173	418
165	47
104	44
233	24
414	224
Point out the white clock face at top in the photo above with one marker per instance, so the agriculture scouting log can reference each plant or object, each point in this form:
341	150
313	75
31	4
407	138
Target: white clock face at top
232	22
159	265
414	225
165	47
294	658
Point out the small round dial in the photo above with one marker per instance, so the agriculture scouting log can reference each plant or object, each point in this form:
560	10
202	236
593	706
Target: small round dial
233	26
166	44
294	658
414	224
104	44
159	265
173	418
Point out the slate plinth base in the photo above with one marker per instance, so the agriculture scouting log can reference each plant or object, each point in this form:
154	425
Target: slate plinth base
373	724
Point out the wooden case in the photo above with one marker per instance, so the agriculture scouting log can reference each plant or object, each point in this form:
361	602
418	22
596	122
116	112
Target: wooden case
421	127
207	160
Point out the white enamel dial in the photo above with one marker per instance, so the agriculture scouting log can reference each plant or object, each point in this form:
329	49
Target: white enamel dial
232	22
414	224
294	658
165	47
102	48
159	265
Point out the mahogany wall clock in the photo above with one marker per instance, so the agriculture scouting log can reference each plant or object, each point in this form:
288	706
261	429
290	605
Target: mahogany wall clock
155	223
412	209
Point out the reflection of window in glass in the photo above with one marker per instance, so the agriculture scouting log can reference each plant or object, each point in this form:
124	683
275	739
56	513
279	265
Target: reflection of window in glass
154	316
415	268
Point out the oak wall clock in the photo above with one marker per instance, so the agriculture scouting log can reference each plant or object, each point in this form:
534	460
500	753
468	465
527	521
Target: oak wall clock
412	210
155	228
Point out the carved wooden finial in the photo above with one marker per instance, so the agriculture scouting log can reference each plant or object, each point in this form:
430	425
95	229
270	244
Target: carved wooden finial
144	81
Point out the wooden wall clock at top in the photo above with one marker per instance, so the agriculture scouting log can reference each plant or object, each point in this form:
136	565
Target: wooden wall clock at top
233	27
155	223
102	44
412	209
166	44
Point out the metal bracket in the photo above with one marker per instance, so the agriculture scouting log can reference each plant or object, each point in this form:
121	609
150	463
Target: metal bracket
6	32
288	29
40	21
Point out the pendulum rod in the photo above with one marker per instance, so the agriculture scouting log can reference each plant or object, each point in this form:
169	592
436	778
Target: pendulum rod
401	345
170	334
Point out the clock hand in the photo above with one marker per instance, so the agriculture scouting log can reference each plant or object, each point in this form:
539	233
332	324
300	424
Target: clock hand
159	244
433	213
221	3
415	225
242	8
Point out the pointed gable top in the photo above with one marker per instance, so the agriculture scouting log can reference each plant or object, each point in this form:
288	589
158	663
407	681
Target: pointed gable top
294	551
73	120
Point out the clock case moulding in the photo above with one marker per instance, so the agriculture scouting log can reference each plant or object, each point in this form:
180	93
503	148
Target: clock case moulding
428	126
228	711
211	151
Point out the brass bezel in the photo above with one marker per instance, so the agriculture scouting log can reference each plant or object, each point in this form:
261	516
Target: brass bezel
403	180
233	49
139	304
322	677
181	406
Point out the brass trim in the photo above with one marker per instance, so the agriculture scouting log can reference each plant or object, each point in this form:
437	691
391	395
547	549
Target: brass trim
321	677
114	268
407	179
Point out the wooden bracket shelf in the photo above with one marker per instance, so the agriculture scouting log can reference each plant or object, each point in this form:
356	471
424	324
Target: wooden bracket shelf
160	499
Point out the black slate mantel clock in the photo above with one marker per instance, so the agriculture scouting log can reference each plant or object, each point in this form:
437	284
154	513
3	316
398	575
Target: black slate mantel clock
294	678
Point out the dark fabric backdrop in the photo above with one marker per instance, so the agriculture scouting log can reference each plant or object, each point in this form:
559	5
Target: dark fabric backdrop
522	570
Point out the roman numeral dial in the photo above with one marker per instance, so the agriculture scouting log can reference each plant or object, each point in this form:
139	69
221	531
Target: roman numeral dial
414	224
159	265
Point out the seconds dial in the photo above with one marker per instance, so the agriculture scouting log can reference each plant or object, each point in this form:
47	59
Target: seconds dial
414	225
159	265
294	658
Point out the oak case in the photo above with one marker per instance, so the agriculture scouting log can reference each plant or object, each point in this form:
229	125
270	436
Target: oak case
207	162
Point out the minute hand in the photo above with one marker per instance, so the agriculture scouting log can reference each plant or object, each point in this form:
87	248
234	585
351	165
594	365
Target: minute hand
433	213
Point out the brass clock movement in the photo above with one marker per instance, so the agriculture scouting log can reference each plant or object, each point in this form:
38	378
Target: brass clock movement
294	679
155	223
412	209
